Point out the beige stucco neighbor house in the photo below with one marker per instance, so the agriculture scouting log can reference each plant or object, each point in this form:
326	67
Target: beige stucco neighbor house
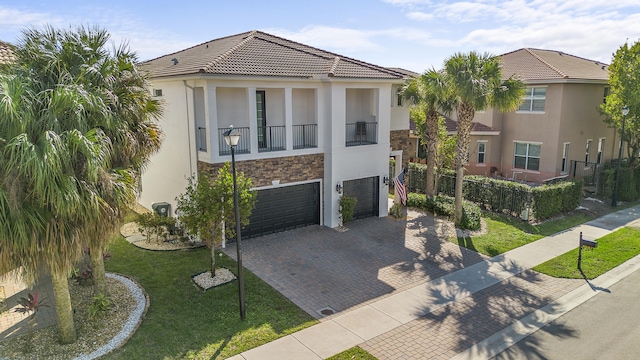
6	54
558	121
313	125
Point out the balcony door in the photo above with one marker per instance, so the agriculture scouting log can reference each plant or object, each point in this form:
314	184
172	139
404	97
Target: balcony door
261	109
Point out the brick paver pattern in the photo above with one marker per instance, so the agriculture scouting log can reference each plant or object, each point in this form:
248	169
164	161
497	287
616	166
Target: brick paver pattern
452	329
317	267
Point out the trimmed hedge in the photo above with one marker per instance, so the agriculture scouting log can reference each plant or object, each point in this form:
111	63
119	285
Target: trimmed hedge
628	187
444	205
550	200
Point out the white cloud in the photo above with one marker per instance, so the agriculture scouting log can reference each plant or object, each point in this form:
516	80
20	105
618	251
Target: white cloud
326	37
420	16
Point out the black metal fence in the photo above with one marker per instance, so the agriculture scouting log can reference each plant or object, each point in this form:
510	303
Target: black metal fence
202	138
361	133
271	138
243	143
305	136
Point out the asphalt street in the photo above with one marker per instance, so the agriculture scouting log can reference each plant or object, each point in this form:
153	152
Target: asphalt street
605	327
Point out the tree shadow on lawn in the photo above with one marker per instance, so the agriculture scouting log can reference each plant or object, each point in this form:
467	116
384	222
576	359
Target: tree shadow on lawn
184	321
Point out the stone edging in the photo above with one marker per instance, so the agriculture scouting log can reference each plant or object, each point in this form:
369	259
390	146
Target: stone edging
131	325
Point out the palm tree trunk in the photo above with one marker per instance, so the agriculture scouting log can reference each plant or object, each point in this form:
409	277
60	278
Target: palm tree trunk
432	148
97	264
64	312
466	113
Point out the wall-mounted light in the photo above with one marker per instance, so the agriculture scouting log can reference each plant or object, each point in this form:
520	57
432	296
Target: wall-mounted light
339	188
385	180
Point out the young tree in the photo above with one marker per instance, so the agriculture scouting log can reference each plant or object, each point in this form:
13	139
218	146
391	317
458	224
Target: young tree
477	83
208	204
624	79
446	151
429	96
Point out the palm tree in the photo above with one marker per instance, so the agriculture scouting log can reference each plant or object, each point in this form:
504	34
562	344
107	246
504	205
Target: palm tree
430	96
477	84
128	120
50	161
76	130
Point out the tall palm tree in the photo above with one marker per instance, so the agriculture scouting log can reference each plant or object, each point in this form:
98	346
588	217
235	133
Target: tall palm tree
127	119
477	84
50	161
430	95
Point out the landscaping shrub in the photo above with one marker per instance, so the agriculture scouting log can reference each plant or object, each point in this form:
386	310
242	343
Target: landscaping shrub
347	207
550	200
444	205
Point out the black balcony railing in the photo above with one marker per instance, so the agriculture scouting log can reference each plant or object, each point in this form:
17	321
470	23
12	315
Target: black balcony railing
361	133
243	144
271	138
202	138
305	136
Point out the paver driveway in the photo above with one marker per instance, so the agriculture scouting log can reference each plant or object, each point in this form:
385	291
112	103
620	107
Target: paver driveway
317	267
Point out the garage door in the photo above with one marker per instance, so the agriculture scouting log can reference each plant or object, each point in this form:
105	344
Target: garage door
367	192
284	208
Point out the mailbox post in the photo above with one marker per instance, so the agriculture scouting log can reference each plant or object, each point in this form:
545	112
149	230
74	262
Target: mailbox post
585	242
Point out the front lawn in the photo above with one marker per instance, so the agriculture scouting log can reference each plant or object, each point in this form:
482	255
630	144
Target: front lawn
505	233
184	322
612	250
355	353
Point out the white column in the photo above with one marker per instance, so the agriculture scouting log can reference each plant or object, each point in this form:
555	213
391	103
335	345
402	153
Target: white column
253	119
288	118
211	109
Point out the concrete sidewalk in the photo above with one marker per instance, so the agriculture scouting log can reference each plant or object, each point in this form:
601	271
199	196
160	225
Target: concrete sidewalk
383	321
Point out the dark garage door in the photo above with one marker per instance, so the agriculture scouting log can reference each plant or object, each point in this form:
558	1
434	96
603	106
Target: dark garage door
366	191
284	208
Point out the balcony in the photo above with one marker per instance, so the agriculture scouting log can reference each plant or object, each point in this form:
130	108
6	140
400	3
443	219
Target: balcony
202	139
305	136
271	138
361	133
243	144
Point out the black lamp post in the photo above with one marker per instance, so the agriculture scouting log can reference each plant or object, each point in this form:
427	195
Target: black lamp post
231	137
614	198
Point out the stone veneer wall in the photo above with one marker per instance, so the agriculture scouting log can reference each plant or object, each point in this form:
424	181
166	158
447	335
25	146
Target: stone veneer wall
286	169
400	140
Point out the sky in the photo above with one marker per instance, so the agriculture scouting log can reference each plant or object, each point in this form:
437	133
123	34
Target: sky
412	34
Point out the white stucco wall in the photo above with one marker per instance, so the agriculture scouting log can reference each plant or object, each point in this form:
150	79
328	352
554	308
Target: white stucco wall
166	176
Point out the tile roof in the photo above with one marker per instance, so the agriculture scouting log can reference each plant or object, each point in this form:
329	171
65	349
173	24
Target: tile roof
536	64
256	53
6	52
452	126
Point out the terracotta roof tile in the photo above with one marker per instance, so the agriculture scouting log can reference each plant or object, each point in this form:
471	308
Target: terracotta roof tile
537	64
452	126
6	52
260	54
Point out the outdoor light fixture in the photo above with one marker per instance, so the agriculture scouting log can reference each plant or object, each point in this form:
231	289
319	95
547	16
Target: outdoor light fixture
614	198
339	188
231	137
386	180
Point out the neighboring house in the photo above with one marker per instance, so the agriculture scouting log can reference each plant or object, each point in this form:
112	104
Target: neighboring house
6	52
312	123
556	130
558	121
481	135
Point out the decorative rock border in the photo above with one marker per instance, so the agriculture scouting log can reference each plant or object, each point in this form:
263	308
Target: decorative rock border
131	325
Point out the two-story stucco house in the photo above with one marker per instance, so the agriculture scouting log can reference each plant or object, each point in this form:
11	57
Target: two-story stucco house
313	125
557	122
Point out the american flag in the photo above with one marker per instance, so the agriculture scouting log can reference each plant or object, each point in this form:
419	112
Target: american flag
401	190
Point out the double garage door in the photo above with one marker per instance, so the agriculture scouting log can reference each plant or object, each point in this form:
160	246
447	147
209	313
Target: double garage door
284	208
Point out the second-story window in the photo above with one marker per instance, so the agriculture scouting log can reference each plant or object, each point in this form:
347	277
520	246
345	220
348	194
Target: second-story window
534	99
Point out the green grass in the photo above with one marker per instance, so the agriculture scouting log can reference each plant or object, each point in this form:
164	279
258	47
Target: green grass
612	250
354	353
505	233
184	322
